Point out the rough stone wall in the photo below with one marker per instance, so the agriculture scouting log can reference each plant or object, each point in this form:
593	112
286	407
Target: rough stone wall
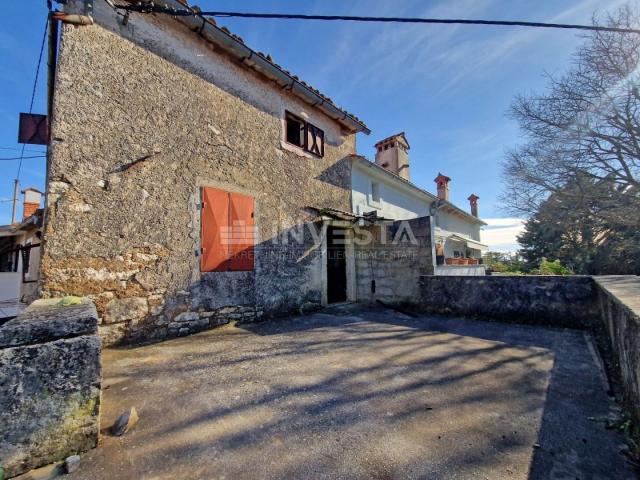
390	266
616	296
143	116
543	300
49	385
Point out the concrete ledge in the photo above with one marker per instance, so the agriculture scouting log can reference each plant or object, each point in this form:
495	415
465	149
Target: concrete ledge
50	375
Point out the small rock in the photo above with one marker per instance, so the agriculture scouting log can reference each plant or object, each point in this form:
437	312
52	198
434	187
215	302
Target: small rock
187	317
125	422
72	463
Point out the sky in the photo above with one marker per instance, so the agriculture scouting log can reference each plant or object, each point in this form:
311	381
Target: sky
448	87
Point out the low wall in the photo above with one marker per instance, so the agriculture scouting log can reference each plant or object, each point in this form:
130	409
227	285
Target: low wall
541	300
618	300
49	385
608	306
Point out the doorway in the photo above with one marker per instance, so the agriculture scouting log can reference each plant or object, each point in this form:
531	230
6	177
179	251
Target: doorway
336	265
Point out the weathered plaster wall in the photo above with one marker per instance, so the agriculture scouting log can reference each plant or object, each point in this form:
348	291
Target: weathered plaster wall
394	267
143	116
543	300
49	385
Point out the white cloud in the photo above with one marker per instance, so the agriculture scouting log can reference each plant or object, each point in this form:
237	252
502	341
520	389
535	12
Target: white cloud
500	233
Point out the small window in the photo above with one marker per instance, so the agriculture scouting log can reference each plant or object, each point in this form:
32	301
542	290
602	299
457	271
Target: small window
375	193
295	130
303	134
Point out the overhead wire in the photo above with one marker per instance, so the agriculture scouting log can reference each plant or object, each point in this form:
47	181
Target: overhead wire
154	8
21	157
35	85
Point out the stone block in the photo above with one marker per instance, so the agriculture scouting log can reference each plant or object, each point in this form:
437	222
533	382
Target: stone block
49	401
45	320
187	317
122	309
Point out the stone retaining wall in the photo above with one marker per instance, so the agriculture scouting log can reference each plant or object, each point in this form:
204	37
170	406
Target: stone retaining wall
542	300
49	385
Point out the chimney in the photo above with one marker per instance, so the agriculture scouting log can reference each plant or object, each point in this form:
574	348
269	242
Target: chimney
473	201
391	154
31	202
442	181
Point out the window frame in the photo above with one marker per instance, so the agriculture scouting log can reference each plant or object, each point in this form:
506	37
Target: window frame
309	132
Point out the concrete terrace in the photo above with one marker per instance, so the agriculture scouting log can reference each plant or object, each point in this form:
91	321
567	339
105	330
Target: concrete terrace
358	393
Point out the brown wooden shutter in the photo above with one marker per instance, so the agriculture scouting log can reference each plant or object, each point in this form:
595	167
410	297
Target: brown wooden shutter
215	224
241	213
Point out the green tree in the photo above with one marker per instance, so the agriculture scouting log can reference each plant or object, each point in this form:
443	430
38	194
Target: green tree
563	230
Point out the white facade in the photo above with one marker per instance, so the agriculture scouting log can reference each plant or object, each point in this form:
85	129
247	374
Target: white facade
457	232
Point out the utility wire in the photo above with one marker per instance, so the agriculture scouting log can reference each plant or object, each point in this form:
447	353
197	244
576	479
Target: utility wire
35	84
21	157
19	149
153	8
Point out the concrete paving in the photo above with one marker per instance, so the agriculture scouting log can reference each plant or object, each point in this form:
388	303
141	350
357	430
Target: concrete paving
360	394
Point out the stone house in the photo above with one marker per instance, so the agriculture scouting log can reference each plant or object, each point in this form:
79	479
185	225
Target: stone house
384	187
188	177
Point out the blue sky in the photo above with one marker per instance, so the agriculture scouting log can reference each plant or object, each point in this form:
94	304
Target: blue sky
448	87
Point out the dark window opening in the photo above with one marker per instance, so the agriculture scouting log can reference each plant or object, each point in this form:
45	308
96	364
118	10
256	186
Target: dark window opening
26	259
295	130
304	134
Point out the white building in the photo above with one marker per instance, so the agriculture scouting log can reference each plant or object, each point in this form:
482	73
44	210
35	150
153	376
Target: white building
385	187
20	257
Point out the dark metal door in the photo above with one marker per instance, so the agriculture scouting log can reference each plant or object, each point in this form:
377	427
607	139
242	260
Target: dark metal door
336	265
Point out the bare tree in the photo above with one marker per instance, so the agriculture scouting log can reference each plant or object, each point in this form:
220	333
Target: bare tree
586	126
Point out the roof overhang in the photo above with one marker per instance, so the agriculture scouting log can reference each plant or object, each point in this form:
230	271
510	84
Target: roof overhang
456	237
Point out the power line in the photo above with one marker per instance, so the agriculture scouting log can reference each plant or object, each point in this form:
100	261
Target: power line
153	8
21	157
35	84
19	149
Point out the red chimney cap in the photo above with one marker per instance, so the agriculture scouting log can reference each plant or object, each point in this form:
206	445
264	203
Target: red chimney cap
441	178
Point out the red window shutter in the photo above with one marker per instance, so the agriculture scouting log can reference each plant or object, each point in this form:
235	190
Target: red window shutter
215	225
242	230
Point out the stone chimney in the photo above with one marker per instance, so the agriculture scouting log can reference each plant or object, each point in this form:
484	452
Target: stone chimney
473	201
442	181
391	154
31	203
